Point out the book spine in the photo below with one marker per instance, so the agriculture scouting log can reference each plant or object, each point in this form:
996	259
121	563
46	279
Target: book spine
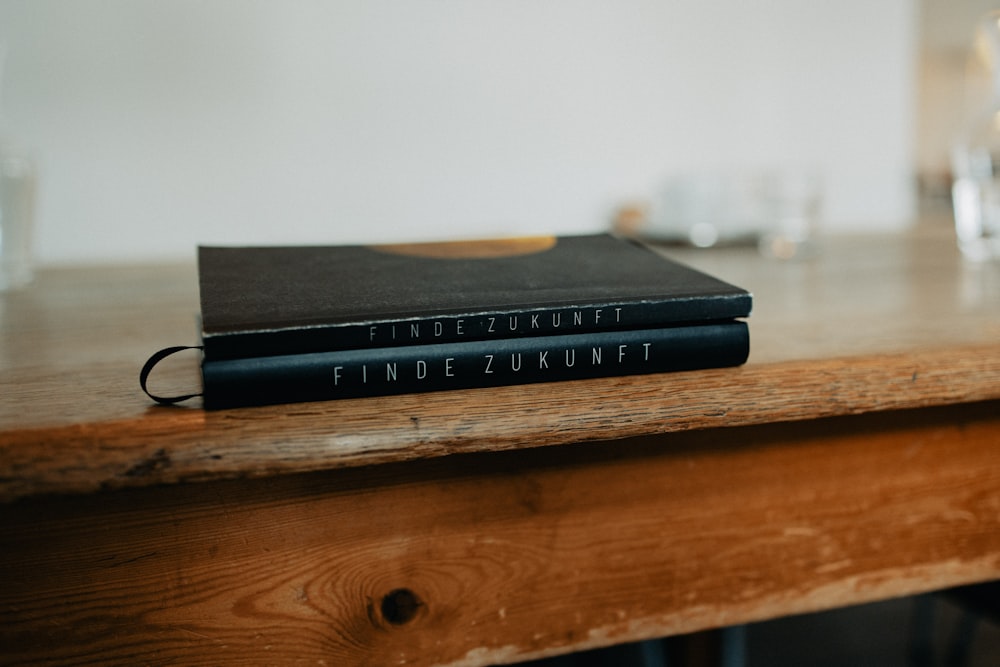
423	368
447	328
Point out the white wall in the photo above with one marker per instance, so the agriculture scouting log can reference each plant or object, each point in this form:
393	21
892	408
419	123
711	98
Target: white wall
159	125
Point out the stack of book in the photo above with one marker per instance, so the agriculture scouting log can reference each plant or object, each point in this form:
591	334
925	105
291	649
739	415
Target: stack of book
289	324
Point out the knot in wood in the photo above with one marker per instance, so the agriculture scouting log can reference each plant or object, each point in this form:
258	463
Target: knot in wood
400	606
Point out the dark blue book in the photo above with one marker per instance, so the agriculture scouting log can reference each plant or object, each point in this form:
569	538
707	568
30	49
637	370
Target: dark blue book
487	363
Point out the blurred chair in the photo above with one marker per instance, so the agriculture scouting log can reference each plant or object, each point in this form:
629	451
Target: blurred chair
977	603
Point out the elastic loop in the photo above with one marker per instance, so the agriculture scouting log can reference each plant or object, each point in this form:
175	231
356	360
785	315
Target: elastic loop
157	358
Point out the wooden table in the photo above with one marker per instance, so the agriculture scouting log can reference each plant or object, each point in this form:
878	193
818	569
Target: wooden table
856	457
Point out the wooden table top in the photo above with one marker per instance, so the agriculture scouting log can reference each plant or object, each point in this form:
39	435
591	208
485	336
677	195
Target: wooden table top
872	324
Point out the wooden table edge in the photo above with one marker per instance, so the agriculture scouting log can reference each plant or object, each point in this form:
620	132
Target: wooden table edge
164	445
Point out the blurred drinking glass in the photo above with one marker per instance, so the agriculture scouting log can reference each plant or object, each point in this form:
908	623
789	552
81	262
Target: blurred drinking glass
17	199
792	201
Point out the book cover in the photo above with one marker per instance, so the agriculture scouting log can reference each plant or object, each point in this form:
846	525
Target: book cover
261	301
407	369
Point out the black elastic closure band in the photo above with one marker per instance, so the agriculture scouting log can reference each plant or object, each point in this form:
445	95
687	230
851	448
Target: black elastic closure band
157	358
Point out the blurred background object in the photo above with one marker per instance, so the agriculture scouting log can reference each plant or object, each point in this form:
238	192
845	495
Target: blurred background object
155	126
17	199
944	100
17	206
976	153
706	209
779	210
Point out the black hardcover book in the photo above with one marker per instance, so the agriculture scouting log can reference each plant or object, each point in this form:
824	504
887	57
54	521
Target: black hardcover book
262	301
487	363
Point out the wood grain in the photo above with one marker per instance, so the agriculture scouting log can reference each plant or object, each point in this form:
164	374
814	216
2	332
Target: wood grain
497	557
873	324
173	445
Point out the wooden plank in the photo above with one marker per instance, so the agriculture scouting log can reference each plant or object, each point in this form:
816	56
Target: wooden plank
504	556
173	445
